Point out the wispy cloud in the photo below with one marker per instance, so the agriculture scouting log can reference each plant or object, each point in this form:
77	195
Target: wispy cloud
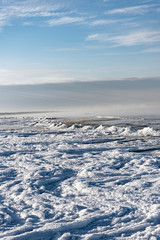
2	24
103	22
96	37
51	12
65	20
30	9
131	10
27	24
137	38
3	19
130	39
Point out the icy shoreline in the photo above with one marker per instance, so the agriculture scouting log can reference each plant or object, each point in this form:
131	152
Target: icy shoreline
66	178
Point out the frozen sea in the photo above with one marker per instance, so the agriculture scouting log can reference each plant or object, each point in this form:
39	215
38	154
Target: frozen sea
79	178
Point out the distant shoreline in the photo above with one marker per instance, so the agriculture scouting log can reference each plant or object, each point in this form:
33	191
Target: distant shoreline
79	116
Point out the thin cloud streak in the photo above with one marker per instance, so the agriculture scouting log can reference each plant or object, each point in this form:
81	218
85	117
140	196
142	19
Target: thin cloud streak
65	20
25	9
131	10
59	12
130	39
104	22
2	23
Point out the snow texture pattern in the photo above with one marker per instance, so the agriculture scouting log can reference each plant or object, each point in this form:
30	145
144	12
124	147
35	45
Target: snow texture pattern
72	179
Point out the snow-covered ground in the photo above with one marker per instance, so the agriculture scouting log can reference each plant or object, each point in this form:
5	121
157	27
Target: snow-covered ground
71	179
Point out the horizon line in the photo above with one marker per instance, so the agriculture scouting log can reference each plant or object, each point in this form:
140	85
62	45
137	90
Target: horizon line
82	81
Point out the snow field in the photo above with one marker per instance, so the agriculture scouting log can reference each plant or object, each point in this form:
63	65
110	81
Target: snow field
79	181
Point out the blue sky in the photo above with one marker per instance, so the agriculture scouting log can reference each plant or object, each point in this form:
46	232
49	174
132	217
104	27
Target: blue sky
78	40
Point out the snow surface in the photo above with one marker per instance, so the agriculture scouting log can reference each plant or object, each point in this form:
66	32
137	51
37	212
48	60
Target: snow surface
71	179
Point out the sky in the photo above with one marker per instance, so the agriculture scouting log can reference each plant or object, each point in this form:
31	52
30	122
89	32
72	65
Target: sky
72	41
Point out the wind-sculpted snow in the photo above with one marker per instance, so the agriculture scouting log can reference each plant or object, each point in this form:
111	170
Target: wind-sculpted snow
71	179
